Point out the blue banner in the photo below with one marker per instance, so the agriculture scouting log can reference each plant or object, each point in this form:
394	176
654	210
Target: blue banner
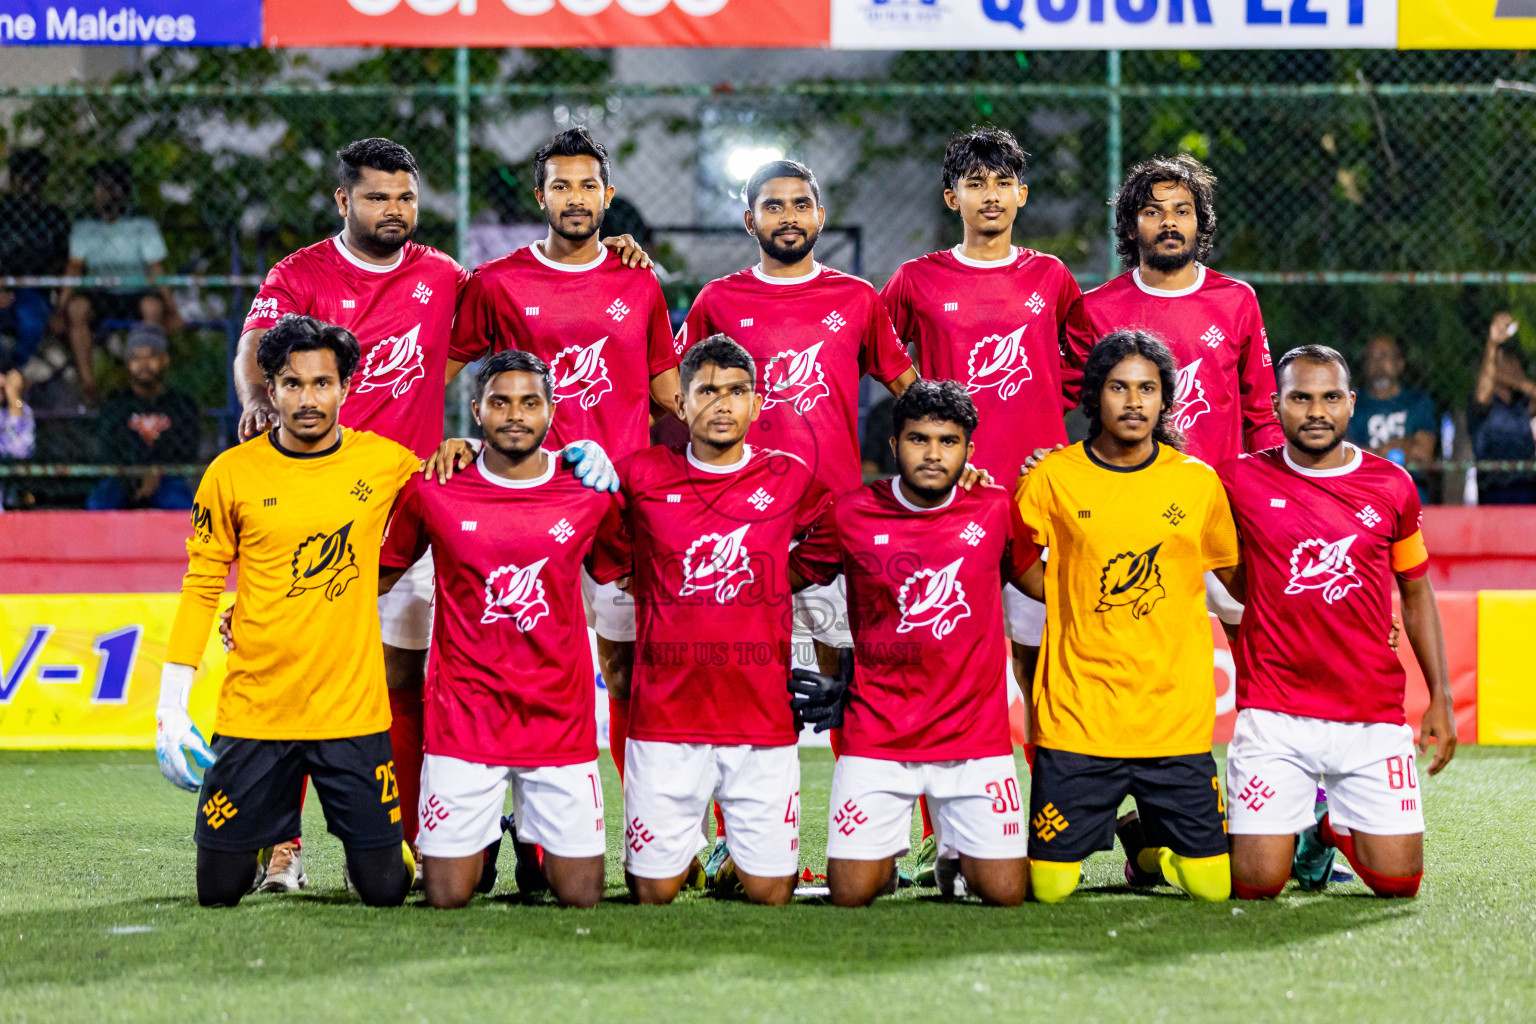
162	22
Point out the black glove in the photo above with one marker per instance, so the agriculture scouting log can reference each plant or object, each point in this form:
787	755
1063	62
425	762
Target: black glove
816	698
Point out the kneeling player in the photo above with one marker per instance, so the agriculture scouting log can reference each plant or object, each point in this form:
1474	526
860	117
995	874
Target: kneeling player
303	508
706	530
1123	689
925	563
509	697
1326	527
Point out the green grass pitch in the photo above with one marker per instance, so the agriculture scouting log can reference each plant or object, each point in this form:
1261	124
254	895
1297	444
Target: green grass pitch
98	923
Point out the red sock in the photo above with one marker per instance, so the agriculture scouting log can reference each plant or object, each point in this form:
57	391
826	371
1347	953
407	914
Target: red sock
618	731
1381	885
1029	755
719	821
922	805
406	729
1249	892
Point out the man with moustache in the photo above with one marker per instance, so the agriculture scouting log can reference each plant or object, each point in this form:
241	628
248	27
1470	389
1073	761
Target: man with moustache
508	538
1328	530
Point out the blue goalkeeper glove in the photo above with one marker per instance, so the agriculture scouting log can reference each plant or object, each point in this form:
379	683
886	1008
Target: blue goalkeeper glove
174	732
592	466
818	699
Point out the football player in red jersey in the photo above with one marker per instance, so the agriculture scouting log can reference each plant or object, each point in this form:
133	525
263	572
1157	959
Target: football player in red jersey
926	564
1327	531
399	299
993	316
705	533
508	538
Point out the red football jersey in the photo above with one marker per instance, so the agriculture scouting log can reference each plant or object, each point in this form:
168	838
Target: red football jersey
813	339
602	327
1321	549
402	317
998	328
925	604
709	551
1216	333
510	677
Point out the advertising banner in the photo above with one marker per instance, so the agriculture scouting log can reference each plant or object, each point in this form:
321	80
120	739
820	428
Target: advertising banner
161	22
1466	24
766	23
1115	24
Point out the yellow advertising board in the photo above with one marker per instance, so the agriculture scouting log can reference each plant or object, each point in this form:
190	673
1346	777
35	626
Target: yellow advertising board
83	670
1466	24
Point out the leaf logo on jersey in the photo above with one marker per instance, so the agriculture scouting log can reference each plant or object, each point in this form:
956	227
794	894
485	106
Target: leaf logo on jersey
1004	364
933	598
1131	580
517	594
324	560
719	563
1189	402
583	376
393	363
796	378
1318	565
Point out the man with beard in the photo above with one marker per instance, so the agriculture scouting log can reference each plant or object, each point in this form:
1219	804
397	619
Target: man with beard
1123	689
399	299
813	332
1327	529
604	329
303	510
926	565
993	316
508	539
705	532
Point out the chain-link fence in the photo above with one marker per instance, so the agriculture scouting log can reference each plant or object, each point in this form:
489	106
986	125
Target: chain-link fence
1363	193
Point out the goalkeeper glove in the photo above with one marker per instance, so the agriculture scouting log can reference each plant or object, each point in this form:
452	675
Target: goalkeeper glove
818	699
174	730
592	466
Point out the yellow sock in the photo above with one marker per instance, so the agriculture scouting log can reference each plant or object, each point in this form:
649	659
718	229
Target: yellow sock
1203	878
1053	881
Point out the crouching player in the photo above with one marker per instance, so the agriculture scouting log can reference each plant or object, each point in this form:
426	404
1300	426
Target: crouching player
509	694
706	530
1326	528
926	563
303	508
1123	689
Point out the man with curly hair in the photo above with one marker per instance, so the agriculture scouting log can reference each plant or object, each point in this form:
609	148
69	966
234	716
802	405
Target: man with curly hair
1123	690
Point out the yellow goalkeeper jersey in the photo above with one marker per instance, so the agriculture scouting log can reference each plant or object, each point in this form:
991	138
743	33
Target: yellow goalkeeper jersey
306	530
1126	664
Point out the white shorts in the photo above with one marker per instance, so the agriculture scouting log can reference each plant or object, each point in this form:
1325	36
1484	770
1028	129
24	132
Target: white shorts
1024	617
559	808
1220	603
405	613
1275	762
610	611
975	805
667	790
821	613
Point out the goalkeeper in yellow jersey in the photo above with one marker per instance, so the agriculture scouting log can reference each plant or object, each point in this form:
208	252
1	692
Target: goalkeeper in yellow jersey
1123	700
303	508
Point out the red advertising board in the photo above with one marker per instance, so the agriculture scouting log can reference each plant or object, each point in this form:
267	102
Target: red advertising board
767	23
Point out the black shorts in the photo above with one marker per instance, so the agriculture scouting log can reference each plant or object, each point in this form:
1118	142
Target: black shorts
1074	800
253	793
115	306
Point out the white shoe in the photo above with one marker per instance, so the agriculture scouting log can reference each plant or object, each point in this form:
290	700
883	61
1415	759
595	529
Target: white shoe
283	865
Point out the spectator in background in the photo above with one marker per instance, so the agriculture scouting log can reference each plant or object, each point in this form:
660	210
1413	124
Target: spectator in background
18	428
1499	417
145	425
1392	421
34	242
113	244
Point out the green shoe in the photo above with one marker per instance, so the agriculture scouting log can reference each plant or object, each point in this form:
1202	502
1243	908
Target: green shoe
1312	866
720	872
717	859
927	861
